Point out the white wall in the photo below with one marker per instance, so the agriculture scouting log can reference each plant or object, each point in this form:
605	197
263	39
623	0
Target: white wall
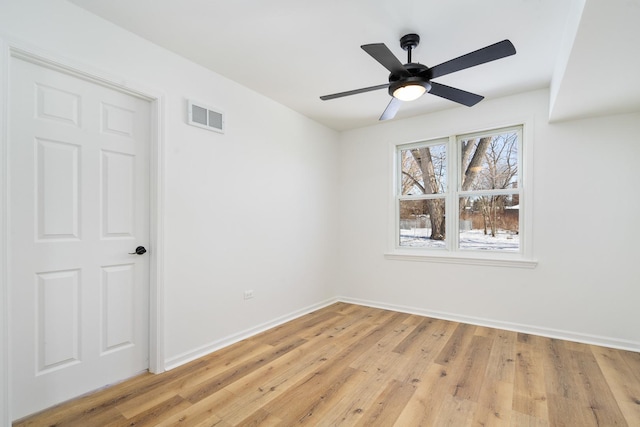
585	286
252	209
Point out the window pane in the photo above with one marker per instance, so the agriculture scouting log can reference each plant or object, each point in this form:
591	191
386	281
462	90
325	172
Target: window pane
422	223
490	223
424	170
490	162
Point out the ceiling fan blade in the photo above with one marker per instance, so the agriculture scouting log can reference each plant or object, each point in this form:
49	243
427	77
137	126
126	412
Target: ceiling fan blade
353	92
381	53
480	56
391	110
456	95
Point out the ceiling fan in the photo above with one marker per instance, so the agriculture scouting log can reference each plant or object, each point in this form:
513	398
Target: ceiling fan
410	81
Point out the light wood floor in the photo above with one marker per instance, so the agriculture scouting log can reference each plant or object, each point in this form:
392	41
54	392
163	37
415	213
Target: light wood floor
357	366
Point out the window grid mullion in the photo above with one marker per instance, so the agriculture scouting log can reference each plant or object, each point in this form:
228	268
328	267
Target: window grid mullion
452	222
494	192
422	196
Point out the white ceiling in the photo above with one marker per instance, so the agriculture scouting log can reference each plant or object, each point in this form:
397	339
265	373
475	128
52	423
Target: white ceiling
293	51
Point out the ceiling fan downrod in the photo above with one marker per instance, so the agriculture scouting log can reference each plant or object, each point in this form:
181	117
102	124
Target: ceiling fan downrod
409	42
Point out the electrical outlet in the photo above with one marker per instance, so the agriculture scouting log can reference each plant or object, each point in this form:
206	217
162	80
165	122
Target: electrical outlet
248	294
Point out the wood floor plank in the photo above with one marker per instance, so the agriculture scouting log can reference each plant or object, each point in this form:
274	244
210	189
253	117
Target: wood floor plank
619	378
355	398
150	416
566	399
421	356
217	367
415	337
379	354
260	418
494	404
456	345
470	373
231	375
502	361
567	412
203	412
283	371
71	419
314	322
144	402
426	403
560	377
495	399
347	365
599	397
319	389
389	404
346	397
212	422
633	361
270	382
529	390
455	412
521	420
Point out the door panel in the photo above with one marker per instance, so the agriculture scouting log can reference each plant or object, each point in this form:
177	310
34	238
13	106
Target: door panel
79	205
58	319
118	201
117	307
57	189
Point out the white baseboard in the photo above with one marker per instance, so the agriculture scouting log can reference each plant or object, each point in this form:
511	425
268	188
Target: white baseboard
516	327
189	356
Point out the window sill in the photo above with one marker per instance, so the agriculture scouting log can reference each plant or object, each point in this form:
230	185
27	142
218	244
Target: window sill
459	258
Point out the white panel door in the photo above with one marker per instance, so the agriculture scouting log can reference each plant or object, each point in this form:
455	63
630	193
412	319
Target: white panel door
79	204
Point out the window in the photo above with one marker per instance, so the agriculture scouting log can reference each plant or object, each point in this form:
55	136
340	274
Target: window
461	195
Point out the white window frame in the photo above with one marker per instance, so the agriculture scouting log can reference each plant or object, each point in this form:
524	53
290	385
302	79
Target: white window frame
451	253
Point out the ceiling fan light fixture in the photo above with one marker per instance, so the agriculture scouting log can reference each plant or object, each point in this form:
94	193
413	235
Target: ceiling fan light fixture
409	90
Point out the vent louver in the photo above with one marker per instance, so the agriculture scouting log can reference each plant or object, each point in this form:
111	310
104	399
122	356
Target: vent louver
205	117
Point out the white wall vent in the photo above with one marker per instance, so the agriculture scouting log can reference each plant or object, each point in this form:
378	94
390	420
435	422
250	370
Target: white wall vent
205	117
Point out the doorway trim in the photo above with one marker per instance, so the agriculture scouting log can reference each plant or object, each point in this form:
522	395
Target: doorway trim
10	50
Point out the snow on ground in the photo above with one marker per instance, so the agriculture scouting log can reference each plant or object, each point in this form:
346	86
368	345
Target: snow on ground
471	239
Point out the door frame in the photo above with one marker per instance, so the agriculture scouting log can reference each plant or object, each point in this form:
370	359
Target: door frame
11	50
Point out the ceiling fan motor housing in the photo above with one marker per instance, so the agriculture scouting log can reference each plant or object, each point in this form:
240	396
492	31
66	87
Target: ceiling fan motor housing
419	76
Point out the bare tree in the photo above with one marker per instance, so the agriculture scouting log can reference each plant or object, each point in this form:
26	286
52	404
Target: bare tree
433	184
473	168
472	152
411	175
